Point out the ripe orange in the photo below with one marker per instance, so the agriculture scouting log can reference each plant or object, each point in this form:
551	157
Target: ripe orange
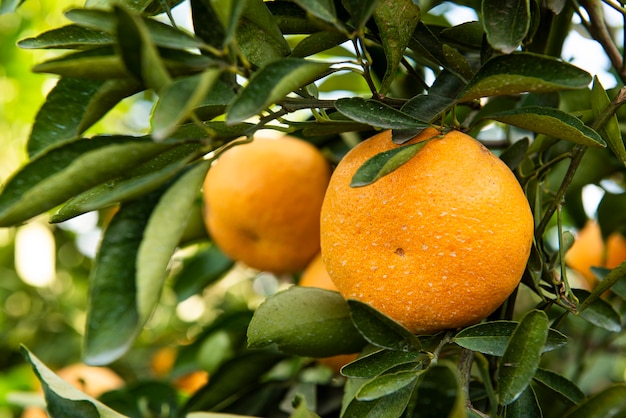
438	243
589	250
263	202
315	275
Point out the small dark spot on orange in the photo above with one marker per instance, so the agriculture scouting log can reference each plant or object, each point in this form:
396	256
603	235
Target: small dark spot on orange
400	252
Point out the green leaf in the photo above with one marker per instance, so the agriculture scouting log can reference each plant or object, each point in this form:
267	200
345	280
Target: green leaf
72	106
493	338
391	406
259	47
522	356
112	316
236	377
599	312
386	385
63	399
321	9
178	100
59	173
611	213
384	163
396	22
560	385
360	11
457	63
229	13
9	6
133	184
139	53
92	64
318	42
514	154
256	11
506	23
373	364
162	235
523	72
271	84
199	271
322	327
610	402
68	37
615	279
440	393
377	114
610	131
381	330
551	122
525	406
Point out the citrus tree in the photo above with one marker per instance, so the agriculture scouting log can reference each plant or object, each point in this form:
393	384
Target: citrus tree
332	73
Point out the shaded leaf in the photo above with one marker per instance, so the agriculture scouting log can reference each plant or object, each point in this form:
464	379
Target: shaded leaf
506	23
610	402
112	315
525	406
457	63
611	213
493	337
59	173
204	268
318	42
616	279
551	122
522	356
258	46
321	9
427	107
599	312
160	33
610	131
380	330
386	385
63	399
162	235
322	327
178	100
373	364
523	72
68	37
72	106
468	34
396	21
391	406
93	64
360	11
377	114
256	11
384	163
514	154
272	83
560	385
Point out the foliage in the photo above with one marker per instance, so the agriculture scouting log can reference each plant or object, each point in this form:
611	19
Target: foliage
332	72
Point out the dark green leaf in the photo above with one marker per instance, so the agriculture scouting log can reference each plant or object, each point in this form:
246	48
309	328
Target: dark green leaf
259	47
427	45
72	106
381	330
68	37
610	402
616	279
162	235
386	385
513	155
112	316
375	363
207	24
427	107
525	406
551	122
610	131
560	385
468	34
384	163
138	52
321	328
612	213
524	72
457	63
256	11
202	269
396	21
236	377
440	393
93	64
599	312
522	356
506	23
133	184
360	11
59	173
493	337
391	406
160	34
178	100
318	42
377	114
63	399
271	84
322	9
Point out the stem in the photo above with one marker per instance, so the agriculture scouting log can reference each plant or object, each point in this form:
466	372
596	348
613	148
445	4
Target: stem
465	368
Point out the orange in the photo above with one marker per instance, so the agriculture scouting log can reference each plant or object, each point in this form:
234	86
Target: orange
263	202
589	250
315	275
437	244
93	381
